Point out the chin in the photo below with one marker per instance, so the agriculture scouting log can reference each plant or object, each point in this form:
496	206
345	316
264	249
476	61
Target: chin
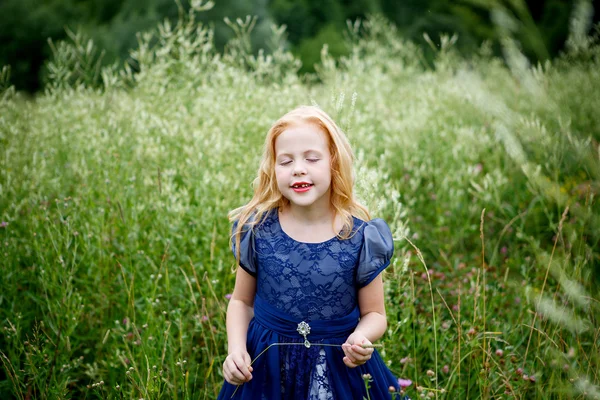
294	202
299	202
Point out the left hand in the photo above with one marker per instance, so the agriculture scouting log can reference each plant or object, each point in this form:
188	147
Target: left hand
356	354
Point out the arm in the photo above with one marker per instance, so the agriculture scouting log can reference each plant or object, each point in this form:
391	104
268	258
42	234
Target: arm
371	327
240	311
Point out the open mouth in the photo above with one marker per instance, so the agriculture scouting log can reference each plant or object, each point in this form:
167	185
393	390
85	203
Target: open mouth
301	187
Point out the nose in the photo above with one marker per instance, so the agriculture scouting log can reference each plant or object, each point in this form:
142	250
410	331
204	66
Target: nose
299	169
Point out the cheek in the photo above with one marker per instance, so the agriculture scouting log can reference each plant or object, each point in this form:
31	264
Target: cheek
327	172
280	176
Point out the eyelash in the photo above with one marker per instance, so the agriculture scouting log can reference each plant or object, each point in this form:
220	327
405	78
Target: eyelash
311	160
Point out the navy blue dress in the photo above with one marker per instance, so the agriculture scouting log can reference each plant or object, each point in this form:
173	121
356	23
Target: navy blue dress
316	283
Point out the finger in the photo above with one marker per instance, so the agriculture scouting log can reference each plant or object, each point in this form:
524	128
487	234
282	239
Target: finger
242	376
361	361
359	350
246	361
354	358
349	363
238	377
355	363
235	372
244	367
229	378
350	355
358	353
227	372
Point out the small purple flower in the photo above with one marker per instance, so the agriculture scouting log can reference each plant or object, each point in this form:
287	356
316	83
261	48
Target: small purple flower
404	383
3	224
228	296
504	250
205	318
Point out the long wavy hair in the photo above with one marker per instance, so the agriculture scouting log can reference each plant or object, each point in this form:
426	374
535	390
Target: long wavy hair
266	193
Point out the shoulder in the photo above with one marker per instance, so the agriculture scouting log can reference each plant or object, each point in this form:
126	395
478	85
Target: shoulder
246	241
377	249
379	226
375	235
256	222
374	226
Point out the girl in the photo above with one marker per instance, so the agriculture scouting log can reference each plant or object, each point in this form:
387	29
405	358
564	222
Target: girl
310	274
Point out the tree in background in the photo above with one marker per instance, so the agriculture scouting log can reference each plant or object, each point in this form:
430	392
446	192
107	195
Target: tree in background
119	35
25	25
313	23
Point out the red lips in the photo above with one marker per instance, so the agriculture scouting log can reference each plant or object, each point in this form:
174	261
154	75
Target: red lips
301	187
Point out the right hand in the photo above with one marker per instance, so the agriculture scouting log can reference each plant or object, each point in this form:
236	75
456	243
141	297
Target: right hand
236	368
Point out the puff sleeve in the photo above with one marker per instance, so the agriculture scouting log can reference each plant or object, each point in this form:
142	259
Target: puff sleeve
247	255
376	252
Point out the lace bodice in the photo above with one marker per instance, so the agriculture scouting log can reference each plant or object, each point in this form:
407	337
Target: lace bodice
314	281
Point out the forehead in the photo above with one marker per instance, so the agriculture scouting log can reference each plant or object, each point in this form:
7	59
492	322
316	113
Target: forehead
302	137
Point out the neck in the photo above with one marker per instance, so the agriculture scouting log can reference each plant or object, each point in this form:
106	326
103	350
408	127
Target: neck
310	214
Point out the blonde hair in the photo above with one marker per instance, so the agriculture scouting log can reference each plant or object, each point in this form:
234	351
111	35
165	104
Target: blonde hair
266	193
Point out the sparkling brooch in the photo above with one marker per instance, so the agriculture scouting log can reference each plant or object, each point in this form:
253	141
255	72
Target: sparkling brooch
304	330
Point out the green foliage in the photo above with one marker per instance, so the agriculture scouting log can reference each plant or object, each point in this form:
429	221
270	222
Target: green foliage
115	184
26	26
329	36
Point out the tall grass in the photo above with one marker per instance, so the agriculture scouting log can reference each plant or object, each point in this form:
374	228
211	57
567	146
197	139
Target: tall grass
115	184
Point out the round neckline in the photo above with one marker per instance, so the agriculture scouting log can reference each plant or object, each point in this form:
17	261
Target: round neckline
298	241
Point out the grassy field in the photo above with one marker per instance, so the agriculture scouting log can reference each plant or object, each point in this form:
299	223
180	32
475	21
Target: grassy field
115	186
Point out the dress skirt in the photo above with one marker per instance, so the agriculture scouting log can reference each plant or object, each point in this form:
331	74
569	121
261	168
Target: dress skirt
310	367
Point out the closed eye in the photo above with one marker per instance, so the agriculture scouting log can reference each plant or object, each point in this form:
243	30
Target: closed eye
286	162
312	160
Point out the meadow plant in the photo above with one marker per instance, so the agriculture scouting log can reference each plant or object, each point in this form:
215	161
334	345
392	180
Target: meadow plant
115	185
